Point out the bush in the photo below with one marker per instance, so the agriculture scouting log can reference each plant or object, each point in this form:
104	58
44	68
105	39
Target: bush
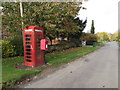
17	41
89	38
61	46
7	48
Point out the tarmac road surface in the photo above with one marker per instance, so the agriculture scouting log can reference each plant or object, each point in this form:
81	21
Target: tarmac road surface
96	70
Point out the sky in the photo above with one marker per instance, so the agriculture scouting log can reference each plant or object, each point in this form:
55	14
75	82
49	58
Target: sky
103	12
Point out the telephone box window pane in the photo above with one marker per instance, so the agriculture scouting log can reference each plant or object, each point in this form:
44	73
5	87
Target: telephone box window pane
28	46
28	42
38	39
38	42
39	56
28	60
28	35
28	56
38	53
38	45
39	36
28	49
27	39
28	53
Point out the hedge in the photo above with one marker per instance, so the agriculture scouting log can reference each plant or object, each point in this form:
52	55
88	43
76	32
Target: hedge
7	48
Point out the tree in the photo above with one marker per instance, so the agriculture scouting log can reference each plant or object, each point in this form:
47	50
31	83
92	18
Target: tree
116	36
103	36
11	20
44	14
92	27
89	37
57	18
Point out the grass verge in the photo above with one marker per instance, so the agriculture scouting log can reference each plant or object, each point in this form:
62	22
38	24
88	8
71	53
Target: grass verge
119	43
10	74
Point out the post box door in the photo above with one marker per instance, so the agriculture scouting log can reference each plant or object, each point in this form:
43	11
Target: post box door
44	44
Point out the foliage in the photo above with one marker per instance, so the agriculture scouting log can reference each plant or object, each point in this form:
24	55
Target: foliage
44	14
89	37
99	44
116	36
11	74
11	20
75	37
7	48
61	46
103	36
92	27
17	41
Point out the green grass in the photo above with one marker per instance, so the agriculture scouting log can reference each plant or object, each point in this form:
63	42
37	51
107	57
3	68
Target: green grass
10	74
68	55
100	43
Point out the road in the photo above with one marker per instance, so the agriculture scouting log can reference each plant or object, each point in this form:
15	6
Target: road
96	70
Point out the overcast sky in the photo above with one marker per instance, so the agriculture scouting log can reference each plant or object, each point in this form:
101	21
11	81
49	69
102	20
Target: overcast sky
103	12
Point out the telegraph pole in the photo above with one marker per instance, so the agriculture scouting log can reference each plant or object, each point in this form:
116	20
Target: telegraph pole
21	13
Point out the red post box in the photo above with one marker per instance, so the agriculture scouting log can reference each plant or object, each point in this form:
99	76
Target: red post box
44	44
33	54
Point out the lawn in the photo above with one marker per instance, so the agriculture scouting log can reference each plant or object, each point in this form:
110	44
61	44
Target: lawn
10	74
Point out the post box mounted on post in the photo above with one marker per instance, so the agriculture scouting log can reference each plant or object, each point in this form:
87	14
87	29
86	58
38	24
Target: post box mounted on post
34	46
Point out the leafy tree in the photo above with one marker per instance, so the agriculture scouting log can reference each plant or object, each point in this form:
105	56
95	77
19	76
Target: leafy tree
76	37
11	19
89	37
92	27
45	14
116	36
103	36
57	18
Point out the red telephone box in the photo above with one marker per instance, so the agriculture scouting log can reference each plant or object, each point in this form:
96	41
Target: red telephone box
33	54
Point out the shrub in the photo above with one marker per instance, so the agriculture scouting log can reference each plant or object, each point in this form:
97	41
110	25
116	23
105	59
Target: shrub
17	41
89	38
7	48
61	46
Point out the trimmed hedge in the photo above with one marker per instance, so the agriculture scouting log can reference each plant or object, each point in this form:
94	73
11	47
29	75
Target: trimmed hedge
14	47
61	46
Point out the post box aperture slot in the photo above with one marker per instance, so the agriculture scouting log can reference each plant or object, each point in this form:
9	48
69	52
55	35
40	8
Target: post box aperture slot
28	46
28	53
28	35
27	39
28	49
28	60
